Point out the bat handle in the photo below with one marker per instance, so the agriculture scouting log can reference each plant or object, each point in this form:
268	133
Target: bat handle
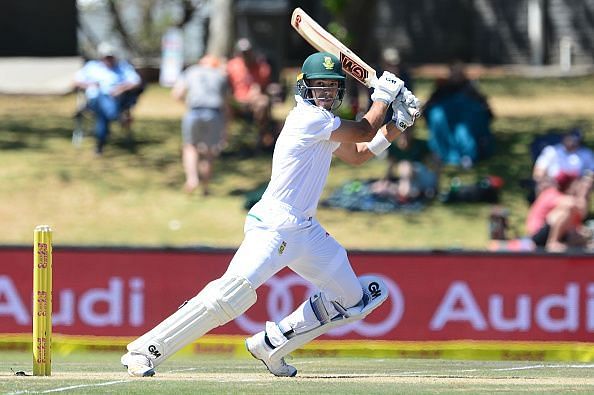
414	113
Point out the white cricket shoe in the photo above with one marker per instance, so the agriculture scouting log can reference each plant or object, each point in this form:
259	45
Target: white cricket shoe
138	365
260	350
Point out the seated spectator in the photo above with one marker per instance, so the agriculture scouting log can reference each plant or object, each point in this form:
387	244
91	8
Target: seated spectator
555	219
249	76
204	87
112	87
458	117
568	156
413	179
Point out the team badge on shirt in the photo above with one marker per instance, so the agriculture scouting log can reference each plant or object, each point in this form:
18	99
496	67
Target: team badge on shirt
328	63
282	247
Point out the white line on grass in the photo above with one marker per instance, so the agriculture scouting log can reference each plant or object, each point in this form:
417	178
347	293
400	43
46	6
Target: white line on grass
522	368
540	366
181	370
584	366
72	387
547	366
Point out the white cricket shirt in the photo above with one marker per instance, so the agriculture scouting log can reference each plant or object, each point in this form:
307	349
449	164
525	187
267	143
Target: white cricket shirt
96	71
302	157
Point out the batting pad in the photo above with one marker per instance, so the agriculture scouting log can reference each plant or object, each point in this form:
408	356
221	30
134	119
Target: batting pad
219	302
375	293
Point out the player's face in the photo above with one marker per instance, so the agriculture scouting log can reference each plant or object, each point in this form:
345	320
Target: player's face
324	92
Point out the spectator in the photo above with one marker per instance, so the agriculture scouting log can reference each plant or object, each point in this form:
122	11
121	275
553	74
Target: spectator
408	177
204	88
555	218
568	156
458	117
249	75
407	154
112	87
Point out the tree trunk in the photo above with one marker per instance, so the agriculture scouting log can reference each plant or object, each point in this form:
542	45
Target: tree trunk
220	28
119	26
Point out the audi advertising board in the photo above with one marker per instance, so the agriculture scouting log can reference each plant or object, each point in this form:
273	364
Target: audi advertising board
433	296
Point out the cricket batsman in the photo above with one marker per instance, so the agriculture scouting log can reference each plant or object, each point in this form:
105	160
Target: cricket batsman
281	230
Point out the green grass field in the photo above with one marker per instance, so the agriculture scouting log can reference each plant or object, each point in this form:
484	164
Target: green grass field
84	373
133	195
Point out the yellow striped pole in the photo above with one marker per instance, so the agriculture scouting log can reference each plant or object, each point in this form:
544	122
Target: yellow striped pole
42	301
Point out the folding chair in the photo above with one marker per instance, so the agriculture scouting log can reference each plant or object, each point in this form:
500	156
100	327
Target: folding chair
83	117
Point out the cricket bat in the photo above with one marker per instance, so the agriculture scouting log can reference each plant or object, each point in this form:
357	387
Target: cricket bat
322	40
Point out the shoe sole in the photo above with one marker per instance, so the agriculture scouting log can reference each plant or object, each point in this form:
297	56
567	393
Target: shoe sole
148	373
261	360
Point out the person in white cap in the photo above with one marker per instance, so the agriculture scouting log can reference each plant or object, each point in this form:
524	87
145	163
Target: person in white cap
281	229
569	156
111	87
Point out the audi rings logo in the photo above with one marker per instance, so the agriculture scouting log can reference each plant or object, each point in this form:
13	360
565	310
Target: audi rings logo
281	302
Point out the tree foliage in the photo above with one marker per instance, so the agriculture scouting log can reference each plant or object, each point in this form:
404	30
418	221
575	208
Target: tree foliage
140	24
352	23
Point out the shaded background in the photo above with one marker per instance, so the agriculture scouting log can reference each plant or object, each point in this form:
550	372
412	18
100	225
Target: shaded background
478	31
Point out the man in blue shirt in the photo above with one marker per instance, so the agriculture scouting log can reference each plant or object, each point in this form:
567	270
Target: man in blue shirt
111	87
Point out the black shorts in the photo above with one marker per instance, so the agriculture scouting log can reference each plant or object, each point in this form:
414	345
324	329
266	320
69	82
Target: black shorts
540	238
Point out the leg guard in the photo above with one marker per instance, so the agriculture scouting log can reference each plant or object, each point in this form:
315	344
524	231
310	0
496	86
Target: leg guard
375	293
219	302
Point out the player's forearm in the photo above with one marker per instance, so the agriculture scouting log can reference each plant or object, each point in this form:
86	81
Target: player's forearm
364	129
376	115
390	132
359	153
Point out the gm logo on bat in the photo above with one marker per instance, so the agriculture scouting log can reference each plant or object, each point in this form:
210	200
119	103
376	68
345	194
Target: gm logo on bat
353	68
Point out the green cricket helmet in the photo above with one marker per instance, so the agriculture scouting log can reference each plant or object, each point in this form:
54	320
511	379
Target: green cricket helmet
320	65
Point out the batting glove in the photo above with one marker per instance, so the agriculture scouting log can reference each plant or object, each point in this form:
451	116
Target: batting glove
402	116
407	97
387	88
413	104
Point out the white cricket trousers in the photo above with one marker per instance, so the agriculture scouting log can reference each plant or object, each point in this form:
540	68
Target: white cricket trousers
278	236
